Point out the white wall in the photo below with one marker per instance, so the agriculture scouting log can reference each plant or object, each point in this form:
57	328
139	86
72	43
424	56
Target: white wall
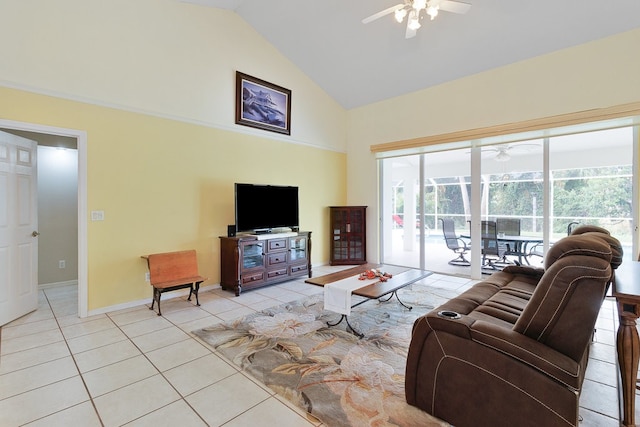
599	74
57	215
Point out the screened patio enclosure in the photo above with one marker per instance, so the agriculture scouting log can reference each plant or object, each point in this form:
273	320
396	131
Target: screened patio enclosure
546	184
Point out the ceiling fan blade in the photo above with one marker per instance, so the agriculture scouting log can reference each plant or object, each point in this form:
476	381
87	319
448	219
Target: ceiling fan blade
454	6
410	33
382	13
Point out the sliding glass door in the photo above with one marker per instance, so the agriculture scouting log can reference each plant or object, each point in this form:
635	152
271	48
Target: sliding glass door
419	191
512	198
402	229
447	198
591	182
546	186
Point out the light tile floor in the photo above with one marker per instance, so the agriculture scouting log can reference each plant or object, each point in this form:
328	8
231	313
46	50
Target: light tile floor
134	368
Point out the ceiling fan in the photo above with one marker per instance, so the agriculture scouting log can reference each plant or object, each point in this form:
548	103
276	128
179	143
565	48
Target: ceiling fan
413	10
502	151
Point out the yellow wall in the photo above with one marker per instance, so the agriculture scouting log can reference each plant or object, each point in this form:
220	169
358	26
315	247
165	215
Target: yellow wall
166	185
152	83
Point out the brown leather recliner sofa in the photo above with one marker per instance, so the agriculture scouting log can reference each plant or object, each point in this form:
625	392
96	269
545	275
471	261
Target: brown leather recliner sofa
513	349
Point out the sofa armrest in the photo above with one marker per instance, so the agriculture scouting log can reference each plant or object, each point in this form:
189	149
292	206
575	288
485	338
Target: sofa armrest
528	351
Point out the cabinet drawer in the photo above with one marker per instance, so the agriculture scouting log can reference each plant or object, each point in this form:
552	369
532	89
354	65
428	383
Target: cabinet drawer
254	277
298	268
277	244
278	258
276	273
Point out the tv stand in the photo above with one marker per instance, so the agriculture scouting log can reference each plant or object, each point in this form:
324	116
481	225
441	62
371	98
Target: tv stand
252	261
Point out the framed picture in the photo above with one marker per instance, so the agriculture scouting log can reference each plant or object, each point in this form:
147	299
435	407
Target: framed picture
262	105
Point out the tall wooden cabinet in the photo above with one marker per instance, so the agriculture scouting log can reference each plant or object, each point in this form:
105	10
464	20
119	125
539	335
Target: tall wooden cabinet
348	235
248	262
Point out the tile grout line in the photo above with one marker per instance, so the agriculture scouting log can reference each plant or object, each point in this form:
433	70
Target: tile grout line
271	393
76	365
82	376
183	398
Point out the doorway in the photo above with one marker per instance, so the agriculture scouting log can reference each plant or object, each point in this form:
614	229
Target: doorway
73	139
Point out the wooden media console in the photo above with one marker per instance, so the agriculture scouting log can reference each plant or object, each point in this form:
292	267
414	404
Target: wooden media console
253	261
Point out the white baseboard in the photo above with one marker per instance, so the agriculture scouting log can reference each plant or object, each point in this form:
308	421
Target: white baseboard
57	284
131	304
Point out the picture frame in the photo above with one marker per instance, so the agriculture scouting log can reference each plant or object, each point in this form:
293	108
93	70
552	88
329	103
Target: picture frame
262	105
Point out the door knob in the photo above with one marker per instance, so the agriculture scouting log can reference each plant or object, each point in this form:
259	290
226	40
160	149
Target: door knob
35	234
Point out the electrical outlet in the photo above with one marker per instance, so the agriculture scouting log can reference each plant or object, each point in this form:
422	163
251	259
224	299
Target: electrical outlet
62	263
147	278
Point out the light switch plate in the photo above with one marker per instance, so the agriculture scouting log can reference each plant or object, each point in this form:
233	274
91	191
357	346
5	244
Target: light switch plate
97	215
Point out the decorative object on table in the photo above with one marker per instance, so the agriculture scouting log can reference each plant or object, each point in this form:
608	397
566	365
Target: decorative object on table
327	371
262	105
373	273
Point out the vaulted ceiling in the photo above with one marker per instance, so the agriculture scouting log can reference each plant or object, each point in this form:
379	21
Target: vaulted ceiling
359	64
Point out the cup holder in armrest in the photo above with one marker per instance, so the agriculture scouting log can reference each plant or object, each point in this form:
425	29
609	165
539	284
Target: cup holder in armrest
449	315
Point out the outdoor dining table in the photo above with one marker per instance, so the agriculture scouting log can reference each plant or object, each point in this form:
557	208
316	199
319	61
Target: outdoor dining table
521	244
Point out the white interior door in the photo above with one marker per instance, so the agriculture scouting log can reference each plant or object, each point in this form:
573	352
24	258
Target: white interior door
18	227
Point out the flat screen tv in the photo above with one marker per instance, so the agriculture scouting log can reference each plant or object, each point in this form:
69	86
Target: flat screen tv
261	208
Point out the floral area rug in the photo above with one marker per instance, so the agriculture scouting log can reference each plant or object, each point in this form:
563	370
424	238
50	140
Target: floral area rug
328	371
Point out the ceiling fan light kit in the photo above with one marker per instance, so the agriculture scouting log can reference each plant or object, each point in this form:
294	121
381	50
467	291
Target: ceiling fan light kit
413	22
419	4
414	8
400	14
432	11
502	156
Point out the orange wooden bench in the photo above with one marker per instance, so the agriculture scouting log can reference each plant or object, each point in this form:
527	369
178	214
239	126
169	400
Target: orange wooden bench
171	271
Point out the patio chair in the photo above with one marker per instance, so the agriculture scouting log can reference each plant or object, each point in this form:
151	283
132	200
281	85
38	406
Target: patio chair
509	227
493	253
572	225
456	244
537	249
